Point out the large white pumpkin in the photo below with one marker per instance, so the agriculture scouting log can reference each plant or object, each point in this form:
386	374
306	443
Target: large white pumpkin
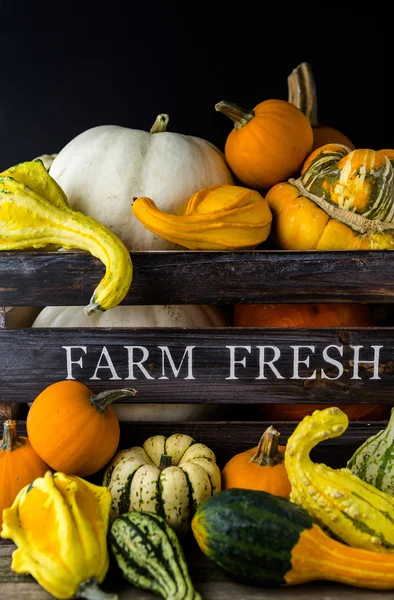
104	168
190	316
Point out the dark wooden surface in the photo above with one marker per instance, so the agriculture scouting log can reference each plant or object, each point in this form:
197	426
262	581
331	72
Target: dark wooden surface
209	580
69	278
34	358
227	438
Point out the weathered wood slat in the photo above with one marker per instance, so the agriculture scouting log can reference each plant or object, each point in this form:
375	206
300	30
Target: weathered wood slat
35	358
209	580
69	278
6	407
227	438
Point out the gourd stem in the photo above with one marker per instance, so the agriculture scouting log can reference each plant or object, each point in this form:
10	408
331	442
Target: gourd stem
10	441
102	400
165	461
302	92
267	453
160	125
238	115
90	590
356	222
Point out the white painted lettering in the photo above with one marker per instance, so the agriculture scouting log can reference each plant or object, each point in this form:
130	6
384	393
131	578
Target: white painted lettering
331	361
165	352
270	363
233	362
71	362
297	362
137	363
357	361
109	365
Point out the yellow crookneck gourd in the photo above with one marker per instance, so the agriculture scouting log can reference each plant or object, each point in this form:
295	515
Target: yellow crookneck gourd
59	524
219	217
351	509
34	213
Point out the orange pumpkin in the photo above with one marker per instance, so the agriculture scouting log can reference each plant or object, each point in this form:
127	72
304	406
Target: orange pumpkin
309	316
19	465
267	144
73	430
260	468
302	93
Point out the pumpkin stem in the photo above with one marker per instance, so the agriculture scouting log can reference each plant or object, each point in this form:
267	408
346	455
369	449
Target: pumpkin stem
267	453
165	461
160	124
302	92
102	400
238	115
90	590
10	441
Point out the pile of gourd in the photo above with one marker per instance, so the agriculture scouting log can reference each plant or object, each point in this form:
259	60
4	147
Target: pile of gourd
270	517
282	177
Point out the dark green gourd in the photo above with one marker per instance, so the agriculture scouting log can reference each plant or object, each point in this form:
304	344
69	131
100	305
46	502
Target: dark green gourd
150	556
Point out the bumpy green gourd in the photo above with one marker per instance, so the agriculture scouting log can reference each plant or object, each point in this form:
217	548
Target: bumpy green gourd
34	213
150	556
353	510
373	461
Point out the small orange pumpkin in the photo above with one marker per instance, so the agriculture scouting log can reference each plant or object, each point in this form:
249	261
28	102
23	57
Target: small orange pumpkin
267	144
73	430
260	468
309	316
302	93
19	465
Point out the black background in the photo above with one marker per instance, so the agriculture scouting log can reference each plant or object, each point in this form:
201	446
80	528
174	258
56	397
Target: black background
70	66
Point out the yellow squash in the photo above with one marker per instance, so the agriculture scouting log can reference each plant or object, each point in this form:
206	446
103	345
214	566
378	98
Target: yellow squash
219	217
34	213
59	524
353	510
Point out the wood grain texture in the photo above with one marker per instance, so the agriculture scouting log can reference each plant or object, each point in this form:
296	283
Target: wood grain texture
227	438
35	358
244	277
208	580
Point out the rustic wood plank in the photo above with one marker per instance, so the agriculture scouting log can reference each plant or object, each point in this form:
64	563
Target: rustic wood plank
6	407
227	438
35	358
69	278
211	582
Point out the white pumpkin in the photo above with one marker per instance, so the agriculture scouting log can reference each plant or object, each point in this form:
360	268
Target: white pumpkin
104	168
190	316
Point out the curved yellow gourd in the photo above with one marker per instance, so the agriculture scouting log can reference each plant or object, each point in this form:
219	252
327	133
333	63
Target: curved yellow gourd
34	213
353	510
219	217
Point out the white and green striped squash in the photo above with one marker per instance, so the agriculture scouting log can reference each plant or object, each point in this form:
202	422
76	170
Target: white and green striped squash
150	556
167	476
373	461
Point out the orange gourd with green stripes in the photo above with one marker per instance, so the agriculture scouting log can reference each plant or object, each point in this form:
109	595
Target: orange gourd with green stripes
266	540
344	200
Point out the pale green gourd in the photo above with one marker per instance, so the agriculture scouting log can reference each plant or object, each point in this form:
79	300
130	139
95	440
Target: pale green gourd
373	461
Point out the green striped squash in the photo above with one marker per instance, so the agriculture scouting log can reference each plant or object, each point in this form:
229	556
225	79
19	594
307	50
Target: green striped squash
167	476
150	556
360	181
250	534
373	461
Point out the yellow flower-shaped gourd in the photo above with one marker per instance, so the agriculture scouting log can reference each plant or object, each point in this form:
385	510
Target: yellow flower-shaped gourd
59	524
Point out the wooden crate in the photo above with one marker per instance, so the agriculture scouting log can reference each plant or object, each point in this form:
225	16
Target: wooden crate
224	366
